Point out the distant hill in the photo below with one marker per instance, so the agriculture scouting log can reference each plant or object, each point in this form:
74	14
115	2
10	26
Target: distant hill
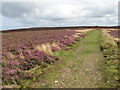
56	28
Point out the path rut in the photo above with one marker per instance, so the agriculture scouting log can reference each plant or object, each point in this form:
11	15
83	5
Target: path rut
87	74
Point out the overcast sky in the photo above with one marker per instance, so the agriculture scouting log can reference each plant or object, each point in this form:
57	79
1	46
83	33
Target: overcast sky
21	14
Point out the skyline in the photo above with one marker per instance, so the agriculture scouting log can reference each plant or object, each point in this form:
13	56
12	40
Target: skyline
49	13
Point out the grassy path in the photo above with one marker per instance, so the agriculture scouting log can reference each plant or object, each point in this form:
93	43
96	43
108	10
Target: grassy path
80	67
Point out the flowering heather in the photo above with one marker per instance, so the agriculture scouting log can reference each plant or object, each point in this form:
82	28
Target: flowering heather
49	59
30	60
81	35
14	62
20	55
68	41
38	53
63	46
31	38
54	48
11	71
8	74
23	47
15	77
71	35
114	33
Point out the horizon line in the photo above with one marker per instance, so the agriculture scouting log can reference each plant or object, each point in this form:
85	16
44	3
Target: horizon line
60	27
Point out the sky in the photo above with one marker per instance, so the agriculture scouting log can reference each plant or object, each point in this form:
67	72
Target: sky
48	13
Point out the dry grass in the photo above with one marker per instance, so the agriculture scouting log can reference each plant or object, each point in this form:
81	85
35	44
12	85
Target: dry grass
109	38
109	29
21	56
46	47
117	39
11	55
83	31
76	36
56	45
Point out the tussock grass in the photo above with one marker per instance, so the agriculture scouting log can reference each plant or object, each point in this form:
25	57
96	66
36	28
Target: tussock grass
109	29
108	39
11	55
83	31
55	44
45	48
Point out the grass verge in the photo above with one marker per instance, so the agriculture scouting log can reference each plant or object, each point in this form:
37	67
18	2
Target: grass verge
110	67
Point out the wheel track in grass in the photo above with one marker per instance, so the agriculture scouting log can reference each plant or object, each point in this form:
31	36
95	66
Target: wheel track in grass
81	68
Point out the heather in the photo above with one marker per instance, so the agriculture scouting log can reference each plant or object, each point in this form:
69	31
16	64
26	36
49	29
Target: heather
73	59
23	51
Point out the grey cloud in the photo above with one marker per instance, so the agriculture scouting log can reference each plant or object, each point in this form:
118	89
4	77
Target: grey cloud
99	11
58	13
16	9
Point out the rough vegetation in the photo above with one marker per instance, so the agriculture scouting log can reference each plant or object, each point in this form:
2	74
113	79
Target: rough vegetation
20	58
60	59
111	68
